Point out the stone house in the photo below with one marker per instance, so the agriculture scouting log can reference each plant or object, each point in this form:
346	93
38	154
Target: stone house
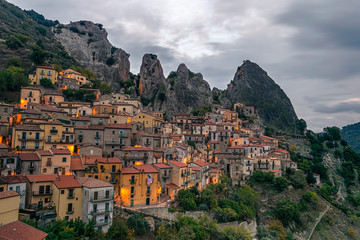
136	155
30	163
164	175
39	190
9	163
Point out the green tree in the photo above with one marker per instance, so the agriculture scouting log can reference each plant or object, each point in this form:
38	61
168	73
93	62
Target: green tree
298	179
185	199
45	82
38	55
287	211
225	215
119	230
301	125
105	88
236	233
277	227
281	183
139	224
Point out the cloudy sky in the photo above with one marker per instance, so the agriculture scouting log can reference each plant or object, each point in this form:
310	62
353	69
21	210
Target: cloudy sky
310	48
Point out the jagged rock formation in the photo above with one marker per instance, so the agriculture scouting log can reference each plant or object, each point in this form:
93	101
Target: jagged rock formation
88	44
251	85
182	92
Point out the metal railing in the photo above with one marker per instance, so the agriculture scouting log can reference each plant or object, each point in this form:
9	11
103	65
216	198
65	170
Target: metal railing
100	211
41	193
101	198
103	222
53	131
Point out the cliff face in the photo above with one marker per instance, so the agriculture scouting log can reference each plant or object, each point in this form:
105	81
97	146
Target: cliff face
88	44
182	92
251	85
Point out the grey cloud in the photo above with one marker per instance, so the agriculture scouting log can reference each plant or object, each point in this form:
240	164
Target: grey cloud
343	107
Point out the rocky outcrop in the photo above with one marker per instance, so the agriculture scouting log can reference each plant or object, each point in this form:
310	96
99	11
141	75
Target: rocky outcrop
252	85
182	92
88	44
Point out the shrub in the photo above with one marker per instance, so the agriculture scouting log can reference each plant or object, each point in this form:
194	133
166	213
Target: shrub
119	230
225	214
13	42
277	227
38	55
287	211
145	101
281	183
139	224
172	74
41	30
110	61
186	199
203	207
298	179
311	197
74	29
45	82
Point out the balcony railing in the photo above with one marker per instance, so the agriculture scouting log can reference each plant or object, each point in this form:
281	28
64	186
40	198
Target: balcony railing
143	157
132	181
41	193
114	143
103	222
123	135
185	174
32	167
21	138
100	211
53	131
97	136
70	212
71	196
148	193
101	198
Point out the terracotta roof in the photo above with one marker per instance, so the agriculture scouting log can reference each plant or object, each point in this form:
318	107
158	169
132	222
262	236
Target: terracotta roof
162	165
29	157
91	127
214	141
67	181
13	179
196	169
42	178
201	163
44	152
90	182
28	128
45	107
179	164
129	170
214	170
236	147
6	194
8	154
20	230
76	164
109	160
3	146
146	168
82	118
58	151
137	149
172	185
117	125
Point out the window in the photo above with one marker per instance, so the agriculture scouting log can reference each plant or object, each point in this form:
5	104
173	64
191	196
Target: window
47	189
10	161
23	145
107	194
55	170
148	190
1	189
37	136
96	195
49	73
41	189
6	110
70	209
107	206
71	193
132	190
64	159
37	145
42	71
94	207
62	191
97	142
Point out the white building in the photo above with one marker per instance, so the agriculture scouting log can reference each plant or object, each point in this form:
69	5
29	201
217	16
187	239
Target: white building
16	183
97	202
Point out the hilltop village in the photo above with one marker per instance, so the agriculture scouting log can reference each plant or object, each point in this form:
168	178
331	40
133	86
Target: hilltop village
68	159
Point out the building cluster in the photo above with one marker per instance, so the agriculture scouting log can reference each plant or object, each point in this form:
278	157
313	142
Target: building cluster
79	159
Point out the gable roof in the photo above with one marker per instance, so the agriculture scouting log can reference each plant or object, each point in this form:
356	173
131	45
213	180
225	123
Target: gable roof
146	168
20	230
13	179
129	170
42	178
67	181
162	165
178	164
76	164
90	182
7	194
137	149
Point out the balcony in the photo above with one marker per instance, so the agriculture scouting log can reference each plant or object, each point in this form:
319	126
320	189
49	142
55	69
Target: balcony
20	138
148	193
101	198
71	196
41	193
32	167
81	136
248	164
185	174
97	136
132	181
165	177
53	131
144	157
123	135
103	222
100	211
70	212
114	143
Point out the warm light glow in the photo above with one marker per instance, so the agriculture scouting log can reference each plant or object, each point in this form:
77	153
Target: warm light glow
129	120
13	173
77	114
185	160
139	163
93	111
159	191
137	146
23	103
71	149
69	173
216	159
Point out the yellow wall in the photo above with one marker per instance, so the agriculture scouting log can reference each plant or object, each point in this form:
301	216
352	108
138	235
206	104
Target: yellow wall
61	202
140	189
56	162
26	98
147	120
35	198
9	209
43	73
3	186
30	143
55	99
